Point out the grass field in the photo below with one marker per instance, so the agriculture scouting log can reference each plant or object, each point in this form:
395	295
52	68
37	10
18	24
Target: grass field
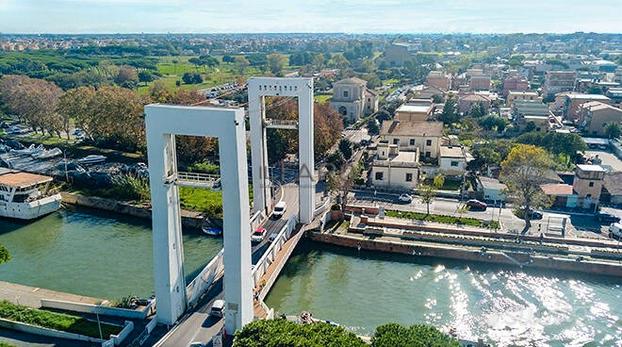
323	98
53	320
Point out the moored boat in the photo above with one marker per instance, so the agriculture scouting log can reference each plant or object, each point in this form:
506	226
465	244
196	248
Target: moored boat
26	196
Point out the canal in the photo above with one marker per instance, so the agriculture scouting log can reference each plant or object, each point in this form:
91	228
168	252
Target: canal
91	253
506	306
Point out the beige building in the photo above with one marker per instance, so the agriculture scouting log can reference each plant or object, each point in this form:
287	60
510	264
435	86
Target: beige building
428	92
588	184
558	82
452	160
525	113
424	136
396	54
515	83
467	101
352	99
595	116
567	104
522	96
479	82
394	169
415	110
439	79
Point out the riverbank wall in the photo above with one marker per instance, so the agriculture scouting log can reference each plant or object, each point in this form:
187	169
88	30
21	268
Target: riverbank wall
189	219
361	242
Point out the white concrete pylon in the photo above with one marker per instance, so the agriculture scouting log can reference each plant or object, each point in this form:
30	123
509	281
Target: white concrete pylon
163	122
302	89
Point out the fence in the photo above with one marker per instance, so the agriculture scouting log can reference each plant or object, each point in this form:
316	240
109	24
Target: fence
262	265
205	279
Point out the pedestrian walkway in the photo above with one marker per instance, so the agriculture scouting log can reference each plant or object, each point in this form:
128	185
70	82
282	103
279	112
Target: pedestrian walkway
31	296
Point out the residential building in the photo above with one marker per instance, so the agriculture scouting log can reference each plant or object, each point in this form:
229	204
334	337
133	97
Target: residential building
424	136
491	189
612	192
415	110
394	169
567	104
515	83
479	82
439	79
428	92
522	96
468	100
352	99
561	194
595	116
452	160
558	82
525	113
588	184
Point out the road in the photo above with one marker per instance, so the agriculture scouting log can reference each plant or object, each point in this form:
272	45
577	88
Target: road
197	325
450	207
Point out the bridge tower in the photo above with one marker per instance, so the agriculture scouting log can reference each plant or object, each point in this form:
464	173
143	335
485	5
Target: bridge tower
302	89
163	122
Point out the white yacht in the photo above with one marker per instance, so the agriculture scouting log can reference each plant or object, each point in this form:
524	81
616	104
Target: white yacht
26	196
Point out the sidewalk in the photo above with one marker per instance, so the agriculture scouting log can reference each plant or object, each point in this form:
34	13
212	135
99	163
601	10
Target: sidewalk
31	296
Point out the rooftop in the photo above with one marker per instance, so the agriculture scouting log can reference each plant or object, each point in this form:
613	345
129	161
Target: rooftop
410	108
557	189
22	179
491	183
412	128
352	80
452	152
590	168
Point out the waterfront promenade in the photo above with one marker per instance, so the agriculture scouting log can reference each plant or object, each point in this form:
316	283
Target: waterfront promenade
32	296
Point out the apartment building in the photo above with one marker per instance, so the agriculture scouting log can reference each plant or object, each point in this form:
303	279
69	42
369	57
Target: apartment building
439	79
558	82
522	96
424	136
595	116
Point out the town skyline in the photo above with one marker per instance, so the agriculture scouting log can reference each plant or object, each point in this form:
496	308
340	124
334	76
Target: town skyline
398	16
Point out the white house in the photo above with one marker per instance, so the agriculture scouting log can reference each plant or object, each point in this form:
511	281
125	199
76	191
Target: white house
452	161
393	169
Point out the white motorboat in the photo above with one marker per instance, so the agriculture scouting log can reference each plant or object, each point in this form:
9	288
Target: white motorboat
47	154
26	196
92	159
30	150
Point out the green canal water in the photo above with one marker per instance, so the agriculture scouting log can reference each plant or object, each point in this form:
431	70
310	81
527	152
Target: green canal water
91	253
505	306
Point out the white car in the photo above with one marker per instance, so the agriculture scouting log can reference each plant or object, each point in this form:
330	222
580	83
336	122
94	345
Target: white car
218	309
279	209
615	230
405	198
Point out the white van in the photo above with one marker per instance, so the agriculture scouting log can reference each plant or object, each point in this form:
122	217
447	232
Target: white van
218	309
279	209
615	230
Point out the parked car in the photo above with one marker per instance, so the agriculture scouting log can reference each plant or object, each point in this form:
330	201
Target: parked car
258	235
218	309
607	218
535	215
476	205
615	231
279	209
405	198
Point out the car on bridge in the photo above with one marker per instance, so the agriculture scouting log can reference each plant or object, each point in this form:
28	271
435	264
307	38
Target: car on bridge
259	235
279	209
218	309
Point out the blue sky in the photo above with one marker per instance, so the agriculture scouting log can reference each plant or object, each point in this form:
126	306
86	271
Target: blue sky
356	16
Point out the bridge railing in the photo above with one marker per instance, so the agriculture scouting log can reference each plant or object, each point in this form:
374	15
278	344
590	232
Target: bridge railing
285	123
205	279
268	258
197	178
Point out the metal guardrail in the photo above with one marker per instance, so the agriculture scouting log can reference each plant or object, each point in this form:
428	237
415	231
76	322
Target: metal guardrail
196	179
205	279
281	123
268	257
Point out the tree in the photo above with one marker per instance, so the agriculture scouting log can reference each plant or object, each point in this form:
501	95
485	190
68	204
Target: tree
283	333
439	181
427	194
450	112
145	76
338	61
276	63
242	63
192	78
524	171
127	77
228	58
613	130
496	123
4	255
345	147
372	127
394	335
478	110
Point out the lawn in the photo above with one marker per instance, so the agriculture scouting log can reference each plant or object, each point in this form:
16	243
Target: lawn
203	200
323	98
53	320
447	185
474	222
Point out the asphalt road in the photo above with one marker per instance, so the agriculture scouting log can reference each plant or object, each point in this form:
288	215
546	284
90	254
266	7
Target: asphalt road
198	326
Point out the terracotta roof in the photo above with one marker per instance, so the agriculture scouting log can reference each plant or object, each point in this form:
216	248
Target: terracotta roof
412	128
613	183
22	179
557	189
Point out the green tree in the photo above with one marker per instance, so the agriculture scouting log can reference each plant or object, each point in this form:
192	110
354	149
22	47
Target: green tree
283	333
242	63
276	63
496	123
4	255
478	110
613	130
345	147
396	335
372	127
524	171
450	112
439	181
427	194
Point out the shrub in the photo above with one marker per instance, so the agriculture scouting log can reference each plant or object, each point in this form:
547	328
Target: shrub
131	187
395	335
283	333
474	222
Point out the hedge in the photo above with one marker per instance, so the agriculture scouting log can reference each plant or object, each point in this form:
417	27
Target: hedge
474	222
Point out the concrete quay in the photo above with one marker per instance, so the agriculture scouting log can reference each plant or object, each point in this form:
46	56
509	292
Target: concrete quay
32	296
469	253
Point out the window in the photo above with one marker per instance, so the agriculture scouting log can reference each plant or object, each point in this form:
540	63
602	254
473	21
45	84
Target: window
428	154
409	177
396	141
454	163
589	196
379	176
412	142
428	142
346	94
591	184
